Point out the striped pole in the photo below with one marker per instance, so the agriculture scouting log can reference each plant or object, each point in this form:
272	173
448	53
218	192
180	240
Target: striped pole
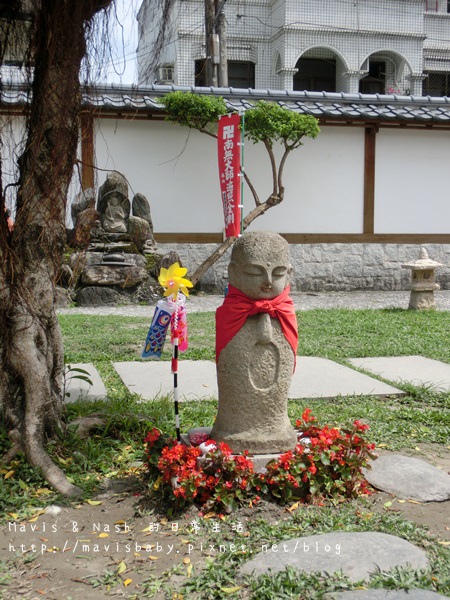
175	373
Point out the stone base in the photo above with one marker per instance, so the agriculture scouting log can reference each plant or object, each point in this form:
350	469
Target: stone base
259	460
421	300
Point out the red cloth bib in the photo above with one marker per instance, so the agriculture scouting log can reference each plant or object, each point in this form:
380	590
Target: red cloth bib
237	307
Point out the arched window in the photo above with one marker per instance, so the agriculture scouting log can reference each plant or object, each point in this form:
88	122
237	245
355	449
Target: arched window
315	75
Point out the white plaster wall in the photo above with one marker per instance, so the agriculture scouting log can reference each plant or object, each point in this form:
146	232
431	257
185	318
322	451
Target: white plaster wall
411	181
177	171
324	181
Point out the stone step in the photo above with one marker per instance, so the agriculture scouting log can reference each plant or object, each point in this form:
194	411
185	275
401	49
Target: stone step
357	554
313	378
417	370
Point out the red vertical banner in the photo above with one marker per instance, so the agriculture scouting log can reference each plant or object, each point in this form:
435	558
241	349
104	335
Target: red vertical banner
229	151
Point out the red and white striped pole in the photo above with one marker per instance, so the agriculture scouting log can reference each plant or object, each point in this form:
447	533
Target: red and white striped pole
175	372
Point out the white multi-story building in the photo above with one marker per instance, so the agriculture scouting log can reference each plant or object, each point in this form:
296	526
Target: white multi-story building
368	46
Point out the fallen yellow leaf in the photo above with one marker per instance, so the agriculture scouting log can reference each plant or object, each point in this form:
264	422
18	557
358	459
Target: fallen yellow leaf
186	560
189	570
103	535
127	582
415	502
293	507
121	568
444	543
209	515
13	515
401	501
9	474
153	557
231	590
93	502
43	492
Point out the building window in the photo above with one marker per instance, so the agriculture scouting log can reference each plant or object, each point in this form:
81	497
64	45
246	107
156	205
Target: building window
315	75
448	6
431	5
375	81
240	74
200	72
436	84
165	74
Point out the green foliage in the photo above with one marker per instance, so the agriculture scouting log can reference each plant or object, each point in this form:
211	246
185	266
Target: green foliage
193	110
266	121
269	122
326	463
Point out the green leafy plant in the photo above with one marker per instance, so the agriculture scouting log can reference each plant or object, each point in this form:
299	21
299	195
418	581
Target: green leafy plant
326	463
193	110
71	373
269	122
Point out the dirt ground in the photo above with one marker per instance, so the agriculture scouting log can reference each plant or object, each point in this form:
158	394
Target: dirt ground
113	541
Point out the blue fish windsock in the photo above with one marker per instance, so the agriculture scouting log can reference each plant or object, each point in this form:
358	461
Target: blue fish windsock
156	335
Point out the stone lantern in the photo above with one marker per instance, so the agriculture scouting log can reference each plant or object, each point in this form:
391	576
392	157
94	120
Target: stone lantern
423	282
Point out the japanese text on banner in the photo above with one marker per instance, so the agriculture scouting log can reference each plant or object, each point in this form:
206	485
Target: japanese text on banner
229	152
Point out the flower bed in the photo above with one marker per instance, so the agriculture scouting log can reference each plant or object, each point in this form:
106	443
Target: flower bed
327	462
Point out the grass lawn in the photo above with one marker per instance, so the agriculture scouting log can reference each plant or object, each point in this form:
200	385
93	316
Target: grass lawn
422	416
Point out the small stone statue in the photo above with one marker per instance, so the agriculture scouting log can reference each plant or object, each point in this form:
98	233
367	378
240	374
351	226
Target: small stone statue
256	343
113	204
114	215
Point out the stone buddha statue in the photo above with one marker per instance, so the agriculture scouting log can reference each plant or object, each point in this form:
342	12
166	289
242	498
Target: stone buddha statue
256	342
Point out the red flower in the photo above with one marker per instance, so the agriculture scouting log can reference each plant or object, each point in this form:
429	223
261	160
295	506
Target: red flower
306	416
360	426
152	436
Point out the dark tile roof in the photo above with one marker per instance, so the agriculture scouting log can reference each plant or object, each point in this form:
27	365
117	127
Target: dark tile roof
323	105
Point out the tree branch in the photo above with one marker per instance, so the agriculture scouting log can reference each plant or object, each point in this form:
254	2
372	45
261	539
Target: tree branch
252	189
220	251
273	165
287	151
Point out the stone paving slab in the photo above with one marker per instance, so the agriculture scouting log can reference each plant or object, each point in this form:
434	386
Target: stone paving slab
314	378
77	389
357	554
409	478
416	370
153	379
412	594
324	378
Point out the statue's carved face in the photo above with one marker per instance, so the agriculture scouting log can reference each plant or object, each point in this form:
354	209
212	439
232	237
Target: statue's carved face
260	270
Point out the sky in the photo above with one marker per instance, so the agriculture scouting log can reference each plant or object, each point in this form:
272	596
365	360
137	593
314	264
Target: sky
122	67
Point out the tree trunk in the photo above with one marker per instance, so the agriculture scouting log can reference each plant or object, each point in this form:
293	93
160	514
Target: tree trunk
30	339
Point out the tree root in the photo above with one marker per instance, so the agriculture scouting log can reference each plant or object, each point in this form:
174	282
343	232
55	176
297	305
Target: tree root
16	447
10	455
38	457
84	425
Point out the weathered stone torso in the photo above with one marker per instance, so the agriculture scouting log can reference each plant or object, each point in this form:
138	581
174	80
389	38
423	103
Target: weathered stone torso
254	374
